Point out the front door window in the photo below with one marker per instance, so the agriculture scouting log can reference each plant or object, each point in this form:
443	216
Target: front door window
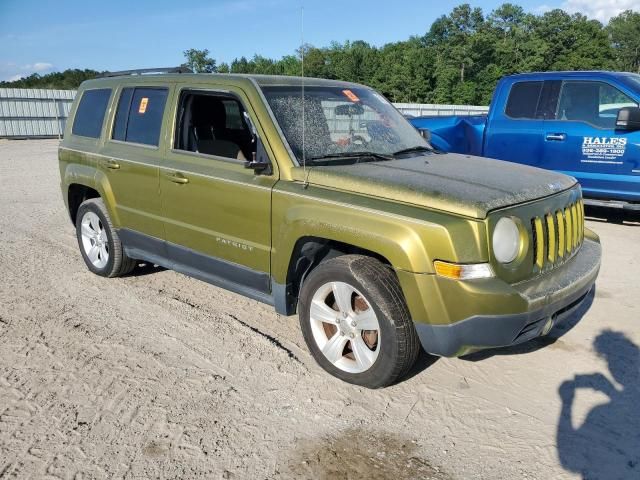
595	103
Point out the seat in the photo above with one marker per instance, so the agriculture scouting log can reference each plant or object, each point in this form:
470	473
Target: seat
221	148
208	130
583	103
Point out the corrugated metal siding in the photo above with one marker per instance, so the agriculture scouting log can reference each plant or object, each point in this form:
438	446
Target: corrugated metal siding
26	112
434	110
34	112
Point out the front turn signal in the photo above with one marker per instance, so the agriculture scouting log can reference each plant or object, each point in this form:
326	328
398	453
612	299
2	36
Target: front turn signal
456	271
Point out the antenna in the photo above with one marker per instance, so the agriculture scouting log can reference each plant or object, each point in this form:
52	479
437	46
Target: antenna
304	154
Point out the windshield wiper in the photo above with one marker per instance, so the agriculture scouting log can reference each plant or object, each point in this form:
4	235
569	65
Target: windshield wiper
358	155
419	148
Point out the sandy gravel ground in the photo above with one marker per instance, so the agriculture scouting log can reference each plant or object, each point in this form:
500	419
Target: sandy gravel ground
161	376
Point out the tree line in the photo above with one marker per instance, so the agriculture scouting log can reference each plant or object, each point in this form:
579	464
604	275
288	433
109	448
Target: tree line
458	61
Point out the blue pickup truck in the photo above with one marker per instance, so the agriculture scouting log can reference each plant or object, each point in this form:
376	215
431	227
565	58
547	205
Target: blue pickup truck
584	124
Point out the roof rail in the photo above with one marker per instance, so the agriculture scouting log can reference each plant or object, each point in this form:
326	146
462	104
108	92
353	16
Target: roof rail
143	71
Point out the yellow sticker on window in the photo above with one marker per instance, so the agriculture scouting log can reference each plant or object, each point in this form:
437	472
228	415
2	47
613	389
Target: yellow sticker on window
350	95
143	105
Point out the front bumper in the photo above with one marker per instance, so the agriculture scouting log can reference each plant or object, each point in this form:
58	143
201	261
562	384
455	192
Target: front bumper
504	314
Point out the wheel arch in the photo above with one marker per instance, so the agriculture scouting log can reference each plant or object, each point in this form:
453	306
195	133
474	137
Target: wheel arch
76	194
84	182
306	253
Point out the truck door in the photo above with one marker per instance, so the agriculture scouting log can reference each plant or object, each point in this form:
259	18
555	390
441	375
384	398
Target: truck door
217	212
514	134
131	157
581	140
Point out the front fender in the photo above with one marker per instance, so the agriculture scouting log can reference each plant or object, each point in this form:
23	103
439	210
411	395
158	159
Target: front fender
409	238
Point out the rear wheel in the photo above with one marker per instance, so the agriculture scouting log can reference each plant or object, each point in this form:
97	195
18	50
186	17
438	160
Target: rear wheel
356	323
99	242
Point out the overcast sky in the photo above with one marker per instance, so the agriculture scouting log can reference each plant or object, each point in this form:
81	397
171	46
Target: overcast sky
40	36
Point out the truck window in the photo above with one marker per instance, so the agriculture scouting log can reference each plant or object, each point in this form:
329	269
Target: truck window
523	100
90	114
139	115
595	103
213	125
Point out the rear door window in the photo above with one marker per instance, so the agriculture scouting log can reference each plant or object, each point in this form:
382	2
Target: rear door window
90	113
139	115
523	100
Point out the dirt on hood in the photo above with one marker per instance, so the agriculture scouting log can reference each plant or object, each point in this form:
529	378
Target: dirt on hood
461	184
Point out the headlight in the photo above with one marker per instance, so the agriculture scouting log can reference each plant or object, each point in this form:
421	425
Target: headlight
506	240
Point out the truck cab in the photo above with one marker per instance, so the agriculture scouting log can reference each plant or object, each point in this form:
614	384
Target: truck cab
563	121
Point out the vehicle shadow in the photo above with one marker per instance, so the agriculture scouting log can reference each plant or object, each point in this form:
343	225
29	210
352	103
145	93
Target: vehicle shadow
612	215
424	361
541	342
607	444
145	268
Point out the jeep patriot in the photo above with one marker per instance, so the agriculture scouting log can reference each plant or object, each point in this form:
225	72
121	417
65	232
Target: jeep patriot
319	198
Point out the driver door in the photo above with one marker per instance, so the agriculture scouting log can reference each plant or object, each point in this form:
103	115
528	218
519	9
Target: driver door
582	140
217	213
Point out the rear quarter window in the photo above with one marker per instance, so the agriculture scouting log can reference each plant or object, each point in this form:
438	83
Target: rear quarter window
90	113
139	115
523	100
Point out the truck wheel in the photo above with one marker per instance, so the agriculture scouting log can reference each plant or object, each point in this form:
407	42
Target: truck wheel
356	323
99	242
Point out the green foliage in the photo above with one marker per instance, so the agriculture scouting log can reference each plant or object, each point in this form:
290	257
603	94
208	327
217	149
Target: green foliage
459	59
462	56
625	35
199	61
67	80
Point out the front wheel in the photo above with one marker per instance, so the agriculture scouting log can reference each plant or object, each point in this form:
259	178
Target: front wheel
356	323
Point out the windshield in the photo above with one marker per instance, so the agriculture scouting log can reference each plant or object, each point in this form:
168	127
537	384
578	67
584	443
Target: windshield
339	122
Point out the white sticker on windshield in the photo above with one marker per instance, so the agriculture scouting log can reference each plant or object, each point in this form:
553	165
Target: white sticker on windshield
603	149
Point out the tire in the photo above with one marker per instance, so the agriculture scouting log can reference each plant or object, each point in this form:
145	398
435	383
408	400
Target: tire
365	288
99	243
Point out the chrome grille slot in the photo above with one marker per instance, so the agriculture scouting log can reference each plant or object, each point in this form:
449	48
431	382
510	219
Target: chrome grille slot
556	236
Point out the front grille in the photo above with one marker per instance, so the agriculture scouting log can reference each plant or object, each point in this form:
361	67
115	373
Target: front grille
557	235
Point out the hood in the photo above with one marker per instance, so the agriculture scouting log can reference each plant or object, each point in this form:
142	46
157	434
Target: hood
460	184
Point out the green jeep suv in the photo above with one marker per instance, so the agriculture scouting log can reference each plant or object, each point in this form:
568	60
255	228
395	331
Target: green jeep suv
319	198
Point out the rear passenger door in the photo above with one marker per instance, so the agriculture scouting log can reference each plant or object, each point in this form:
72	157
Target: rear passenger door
130	161
217	212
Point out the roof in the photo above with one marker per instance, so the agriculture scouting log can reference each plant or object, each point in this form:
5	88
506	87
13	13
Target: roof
217	78
565	74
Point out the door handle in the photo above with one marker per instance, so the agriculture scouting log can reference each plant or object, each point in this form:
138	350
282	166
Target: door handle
177	177
112	164
556	137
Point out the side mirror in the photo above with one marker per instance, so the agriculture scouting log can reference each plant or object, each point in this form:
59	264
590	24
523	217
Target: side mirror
258	167
628	119
259	162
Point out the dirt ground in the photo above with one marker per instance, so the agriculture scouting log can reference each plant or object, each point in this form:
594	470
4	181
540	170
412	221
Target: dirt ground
157	375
